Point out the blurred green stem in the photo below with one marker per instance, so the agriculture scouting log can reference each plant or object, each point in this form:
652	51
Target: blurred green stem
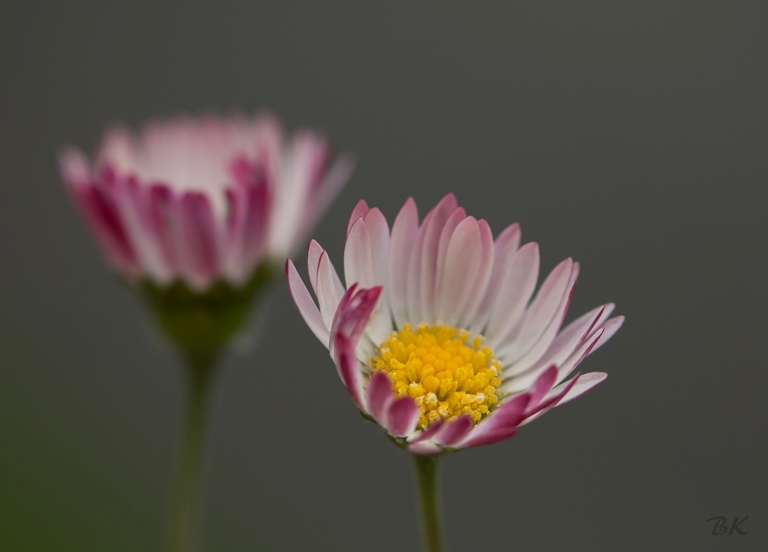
184	532
426	473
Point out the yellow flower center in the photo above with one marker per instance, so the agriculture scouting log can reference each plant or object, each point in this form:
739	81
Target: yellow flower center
445	375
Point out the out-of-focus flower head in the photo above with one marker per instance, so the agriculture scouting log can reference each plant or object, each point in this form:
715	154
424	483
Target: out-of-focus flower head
198	211
198	200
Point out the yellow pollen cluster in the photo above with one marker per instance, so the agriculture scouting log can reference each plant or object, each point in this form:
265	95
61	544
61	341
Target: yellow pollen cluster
446	376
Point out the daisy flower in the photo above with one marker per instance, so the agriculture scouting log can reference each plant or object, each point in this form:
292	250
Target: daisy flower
438	336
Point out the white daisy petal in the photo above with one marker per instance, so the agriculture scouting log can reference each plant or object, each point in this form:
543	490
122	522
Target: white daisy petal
515	290
306	305
458	273
485	269
541	312
400	248
503	250
542	344
329	289
426	282
358	264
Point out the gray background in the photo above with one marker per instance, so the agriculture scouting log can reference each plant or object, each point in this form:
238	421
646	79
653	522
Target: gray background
629	135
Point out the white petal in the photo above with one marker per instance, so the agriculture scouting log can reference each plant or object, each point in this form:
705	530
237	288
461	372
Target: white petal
458	273
524	381
400	248
574	335
540	346
582	385
424	287
538	316
329	289
483	278
358	265
517	285
360	210
609	328
503	250
306	305
453	221
380	325
314	250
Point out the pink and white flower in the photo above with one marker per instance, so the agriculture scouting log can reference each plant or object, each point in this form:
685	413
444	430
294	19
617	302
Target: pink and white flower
200	200
437	337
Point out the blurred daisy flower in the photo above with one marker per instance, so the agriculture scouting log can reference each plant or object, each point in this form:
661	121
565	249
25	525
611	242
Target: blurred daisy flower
198	211
200	200
437	337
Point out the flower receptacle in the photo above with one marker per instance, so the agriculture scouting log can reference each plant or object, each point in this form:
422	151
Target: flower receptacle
201	325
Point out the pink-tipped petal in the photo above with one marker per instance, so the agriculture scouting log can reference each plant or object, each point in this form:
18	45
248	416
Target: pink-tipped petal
402	416
429	233
165	214
544	308
549	402
256	225
501	424
400	245
104	215
118	147
470	315
454	432
540	345
73	167
353	312
306	306
358	264
137	220
521	382
508	241
329	289
202	243
360	210
543	385
428	433
516	286
558	394
379	395
504	248
574	335
234	224
314	250
459	271
349	368
303	156
584	383
609	329
378	235
376	226
576	358
455	218
490	437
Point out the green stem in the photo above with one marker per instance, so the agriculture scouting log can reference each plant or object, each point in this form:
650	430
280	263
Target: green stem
426	473
183	534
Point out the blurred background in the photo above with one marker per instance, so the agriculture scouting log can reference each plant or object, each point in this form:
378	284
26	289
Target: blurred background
629	135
